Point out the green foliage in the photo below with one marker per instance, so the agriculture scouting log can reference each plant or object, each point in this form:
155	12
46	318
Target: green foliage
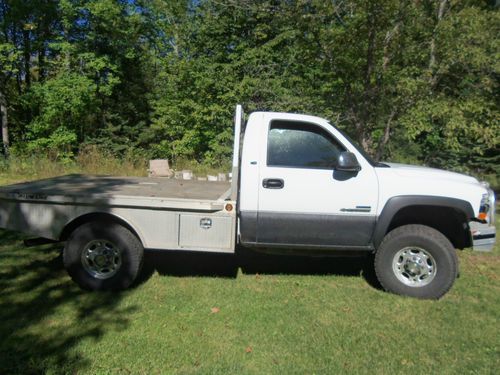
8	56
456	123
410	80
63	104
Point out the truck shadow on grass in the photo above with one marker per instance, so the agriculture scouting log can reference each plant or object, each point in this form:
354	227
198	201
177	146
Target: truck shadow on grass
177	263
43	315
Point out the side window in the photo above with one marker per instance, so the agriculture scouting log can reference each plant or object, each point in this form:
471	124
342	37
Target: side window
301	145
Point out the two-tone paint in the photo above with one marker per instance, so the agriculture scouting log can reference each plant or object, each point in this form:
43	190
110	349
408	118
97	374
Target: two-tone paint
328	209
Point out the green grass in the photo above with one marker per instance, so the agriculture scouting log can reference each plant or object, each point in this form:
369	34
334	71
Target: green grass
319	316
278	315
91	160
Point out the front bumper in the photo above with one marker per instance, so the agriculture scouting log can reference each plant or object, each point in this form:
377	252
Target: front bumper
483	236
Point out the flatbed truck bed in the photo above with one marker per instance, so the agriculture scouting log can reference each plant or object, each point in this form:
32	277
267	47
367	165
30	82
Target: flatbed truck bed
171	214
85	186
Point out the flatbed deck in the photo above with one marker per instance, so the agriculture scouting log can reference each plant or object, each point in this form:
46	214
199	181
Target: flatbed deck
77	185
166	212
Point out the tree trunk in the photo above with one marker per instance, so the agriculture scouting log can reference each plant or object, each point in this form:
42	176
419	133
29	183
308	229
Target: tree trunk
41	63
5	123
19	83
385	138
385	63
5	24
27	58
432	54
43	34
368	98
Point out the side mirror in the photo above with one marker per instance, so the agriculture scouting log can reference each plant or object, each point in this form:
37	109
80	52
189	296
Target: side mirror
347	162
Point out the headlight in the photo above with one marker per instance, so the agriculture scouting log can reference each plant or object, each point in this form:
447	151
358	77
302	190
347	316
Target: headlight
487	206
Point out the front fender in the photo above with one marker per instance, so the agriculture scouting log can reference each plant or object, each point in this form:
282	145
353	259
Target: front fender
395	204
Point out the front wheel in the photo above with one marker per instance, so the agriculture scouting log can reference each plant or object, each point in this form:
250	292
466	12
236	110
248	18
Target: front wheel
416	261
103	256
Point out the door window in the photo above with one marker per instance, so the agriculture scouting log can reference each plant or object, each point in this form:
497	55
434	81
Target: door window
301	145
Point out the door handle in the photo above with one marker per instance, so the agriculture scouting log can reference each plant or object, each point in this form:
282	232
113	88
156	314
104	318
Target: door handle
273	183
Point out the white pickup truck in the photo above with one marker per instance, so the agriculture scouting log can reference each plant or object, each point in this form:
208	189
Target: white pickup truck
299	186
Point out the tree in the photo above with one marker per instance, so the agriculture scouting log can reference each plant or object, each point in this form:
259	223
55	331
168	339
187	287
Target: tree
8	58
455	115
410	80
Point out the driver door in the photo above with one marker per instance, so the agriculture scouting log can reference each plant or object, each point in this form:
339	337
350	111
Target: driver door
302	200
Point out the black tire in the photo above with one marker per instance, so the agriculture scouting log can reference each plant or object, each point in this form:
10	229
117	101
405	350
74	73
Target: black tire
124	271
423	240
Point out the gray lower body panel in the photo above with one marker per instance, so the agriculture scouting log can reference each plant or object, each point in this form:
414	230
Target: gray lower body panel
157	229
314	230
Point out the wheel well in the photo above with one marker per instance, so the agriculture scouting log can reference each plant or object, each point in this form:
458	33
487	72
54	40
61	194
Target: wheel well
447	220
96	216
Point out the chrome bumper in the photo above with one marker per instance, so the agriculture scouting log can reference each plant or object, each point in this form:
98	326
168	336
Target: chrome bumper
483	236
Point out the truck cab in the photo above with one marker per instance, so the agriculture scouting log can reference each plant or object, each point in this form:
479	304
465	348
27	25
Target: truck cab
304	184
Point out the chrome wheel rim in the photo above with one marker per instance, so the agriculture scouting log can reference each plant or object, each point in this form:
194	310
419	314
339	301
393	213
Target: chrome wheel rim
414	266
101	259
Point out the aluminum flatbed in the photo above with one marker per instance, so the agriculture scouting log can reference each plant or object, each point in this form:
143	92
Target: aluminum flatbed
168	211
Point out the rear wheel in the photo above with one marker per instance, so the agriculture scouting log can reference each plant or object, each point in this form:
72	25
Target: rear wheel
103	256
416	261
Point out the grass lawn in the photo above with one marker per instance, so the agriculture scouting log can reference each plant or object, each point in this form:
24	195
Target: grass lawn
198	313
264	314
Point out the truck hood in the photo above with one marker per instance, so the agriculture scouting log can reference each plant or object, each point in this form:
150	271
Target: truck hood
425	173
